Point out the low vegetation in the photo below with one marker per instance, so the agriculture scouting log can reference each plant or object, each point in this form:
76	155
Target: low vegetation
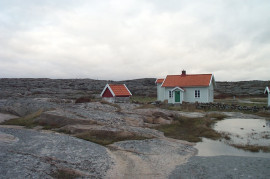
244	101
107	137
27	121
192	129
84	99
142	99
252	148
64	173
264	114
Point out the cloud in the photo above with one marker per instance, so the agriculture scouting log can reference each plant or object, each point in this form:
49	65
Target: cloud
127	39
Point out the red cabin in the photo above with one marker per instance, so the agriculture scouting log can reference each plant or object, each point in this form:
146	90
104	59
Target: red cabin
116	93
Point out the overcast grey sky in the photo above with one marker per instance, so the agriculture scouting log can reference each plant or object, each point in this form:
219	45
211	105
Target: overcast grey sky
128	39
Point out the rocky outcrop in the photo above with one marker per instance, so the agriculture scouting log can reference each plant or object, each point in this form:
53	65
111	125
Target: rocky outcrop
240	88
32	154
76	88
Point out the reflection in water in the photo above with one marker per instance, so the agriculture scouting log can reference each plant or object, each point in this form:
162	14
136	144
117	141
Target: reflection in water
246	131
215	148
241	131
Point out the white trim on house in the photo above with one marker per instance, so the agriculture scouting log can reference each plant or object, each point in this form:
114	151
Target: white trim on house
108	86
266	90
128	89
178	89
163	81
212	78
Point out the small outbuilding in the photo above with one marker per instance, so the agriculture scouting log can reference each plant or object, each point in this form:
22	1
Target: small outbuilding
267	91
116	93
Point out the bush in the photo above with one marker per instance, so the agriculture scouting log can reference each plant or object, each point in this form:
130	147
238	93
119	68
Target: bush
84	99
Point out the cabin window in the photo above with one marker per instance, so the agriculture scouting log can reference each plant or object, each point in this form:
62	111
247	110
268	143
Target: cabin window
197	94
170	94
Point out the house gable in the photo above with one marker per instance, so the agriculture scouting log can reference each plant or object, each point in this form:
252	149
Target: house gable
115	90
267	90
107	93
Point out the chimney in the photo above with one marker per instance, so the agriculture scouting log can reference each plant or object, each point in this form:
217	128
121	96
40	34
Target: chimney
183	72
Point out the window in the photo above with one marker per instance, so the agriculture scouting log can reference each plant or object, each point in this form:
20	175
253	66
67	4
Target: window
170	94
197	94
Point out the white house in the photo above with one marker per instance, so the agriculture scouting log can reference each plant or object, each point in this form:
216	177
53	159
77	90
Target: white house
116	93
186	87
267	91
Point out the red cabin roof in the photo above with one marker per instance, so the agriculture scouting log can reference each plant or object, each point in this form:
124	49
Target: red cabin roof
187	80
160	80
116	90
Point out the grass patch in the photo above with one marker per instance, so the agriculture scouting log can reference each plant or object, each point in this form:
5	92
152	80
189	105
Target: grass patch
146	106
84	99
27	121
65	173
190	129
264	114
107	137
142	99
217	116
186	107
252	148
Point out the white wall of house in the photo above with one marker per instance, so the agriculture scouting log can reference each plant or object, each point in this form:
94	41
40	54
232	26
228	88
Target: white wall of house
268	99
160	92
171	99
109	99
206	94
211	93
189	95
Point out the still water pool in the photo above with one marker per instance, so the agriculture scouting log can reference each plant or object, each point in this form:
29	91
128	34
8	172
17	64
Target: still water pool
241	131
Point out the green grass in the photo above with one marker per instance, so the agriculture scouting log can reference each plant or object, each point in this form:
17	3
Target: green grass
146	106
106	137
191	129
27	121
143	99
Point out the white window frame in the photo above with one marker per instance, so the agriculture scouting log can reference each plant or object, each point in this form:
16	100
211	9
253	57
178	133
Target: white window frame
170	94
197	94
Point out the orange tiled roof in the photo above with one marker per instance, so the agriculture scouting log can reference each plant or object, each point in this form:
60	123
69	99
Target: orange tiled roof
159	80
187	80
120	90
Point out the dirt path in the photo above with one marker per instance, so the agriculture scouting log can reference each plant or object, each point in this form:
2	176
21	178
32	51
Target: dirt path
154	158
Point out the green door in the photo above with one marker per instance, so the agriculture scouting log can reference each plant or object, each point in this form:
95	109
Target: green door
177	96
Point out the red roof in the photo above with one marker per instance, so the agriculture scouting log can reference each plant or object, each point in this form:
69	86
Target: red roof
187	80
159	80
120	90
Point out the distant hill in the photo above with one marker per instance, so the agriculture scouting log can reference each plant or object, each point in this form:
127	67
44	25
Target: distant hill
74	88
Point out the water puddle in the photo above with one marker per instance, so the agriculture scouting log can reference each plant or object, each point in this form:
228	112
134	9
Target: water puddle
246	131
240	131
216	148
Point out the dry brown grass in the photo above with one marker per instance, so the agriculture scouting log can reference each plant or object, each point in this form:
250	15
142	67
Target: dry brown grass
190	129
216	115
108	137
27	121
66	173
252	148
